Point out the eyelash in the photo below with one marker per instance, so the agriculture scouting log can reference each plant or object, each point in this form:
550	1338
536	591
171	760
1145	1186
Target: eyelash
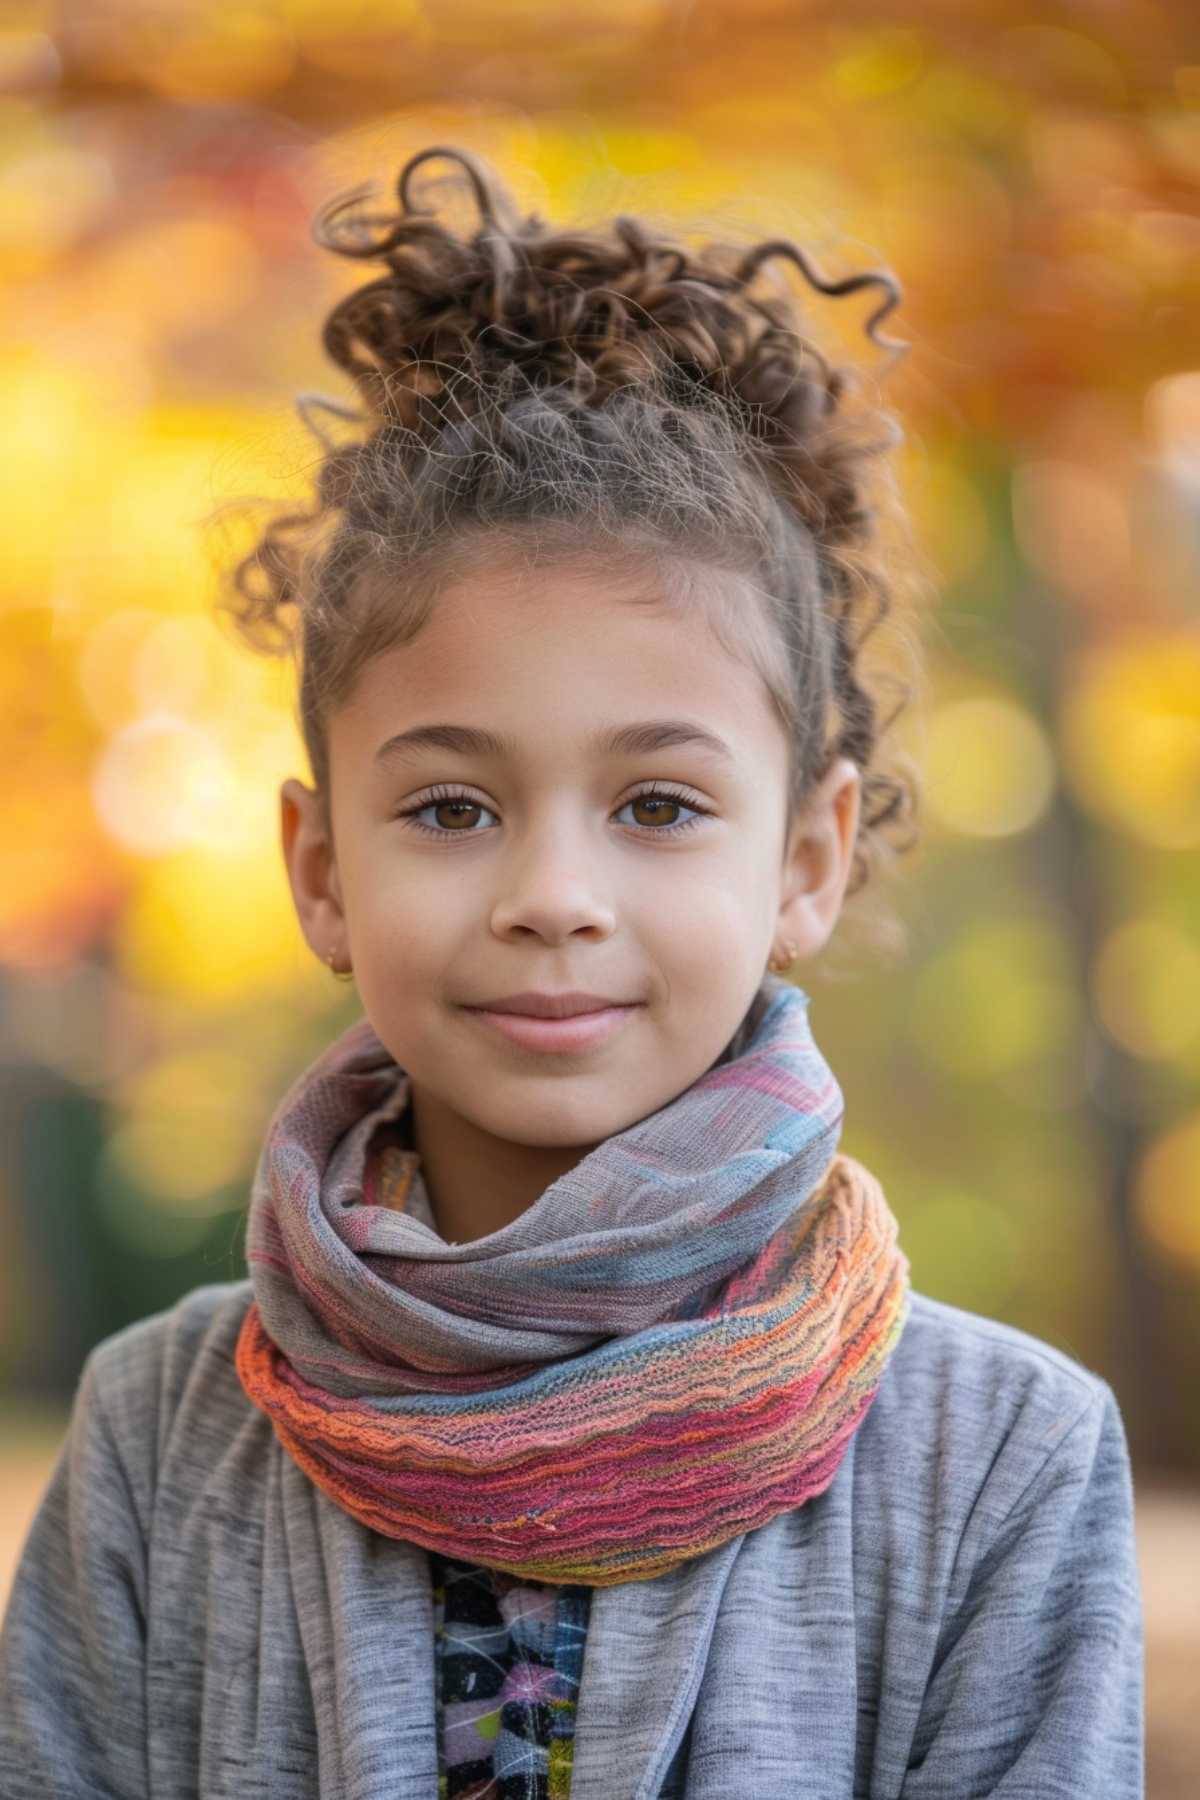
443	796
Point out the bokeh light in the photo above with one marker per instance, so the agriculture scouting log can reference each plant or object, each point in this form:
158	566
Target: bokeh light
1147	987
989	767
1000	998
1072	527
1131	735
1167	1194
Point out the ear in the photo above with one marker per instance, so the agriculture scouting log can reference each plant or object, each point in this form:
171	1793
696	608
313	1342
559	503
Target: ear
312	871
818	860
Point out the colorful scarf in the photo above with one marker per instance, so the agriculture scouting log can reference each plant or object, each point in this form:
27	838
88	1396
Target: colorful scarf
672	1345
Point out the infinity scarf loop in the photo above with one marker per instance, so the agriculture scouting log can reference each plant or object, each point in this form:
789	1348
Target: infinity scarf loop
675	1343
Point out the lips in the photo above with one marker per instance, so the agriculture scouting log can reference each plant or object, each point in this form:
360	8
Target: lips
572	1033
551	1006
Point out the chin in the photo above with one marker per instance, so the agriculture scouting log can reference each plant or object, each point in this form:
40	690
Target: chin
555	1124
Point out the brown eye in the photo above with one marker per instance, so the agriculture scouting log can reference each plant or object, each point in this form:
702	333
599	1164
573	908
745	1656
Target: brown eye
654	804
453	815
455	808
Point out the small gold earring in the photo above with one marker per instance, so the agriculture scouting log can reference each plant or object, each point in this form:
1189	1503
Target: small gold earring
783	959
338	974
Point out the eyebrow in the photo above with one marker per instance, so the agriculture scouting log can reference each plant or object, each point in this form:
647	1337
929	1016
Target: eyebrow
620	740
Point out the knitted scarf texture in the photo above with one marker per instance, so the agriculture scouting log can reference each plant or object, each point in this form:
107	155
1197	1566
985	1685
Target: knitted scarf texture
674	1344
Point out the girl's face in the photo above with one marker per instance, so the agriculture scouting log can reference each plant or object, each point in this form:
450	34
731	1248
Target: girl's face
494	836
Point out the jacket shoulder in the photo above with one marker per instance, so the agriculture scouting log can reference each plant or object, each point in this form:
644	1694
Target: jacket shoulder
150	1378
951	1337
977	1406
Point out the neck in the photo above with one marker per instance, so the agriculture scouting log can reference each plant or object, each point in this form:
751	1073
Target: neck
478	1183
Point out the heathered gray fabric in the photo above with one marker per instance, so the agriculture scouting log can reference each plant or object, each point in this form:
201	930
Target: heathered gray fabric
958	1615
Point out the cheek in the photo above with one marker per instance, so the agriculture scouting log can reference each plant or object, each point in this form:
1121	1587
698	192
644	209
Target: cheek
413	932
727	899
405	911
384	877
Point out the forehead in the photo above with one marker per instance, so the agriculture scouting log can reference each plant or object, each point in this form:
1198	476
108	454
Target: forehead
546	654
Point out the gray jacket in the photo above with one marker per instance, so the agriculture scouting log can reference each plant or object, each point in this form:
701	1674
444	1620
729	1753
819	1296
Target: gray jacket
958	1615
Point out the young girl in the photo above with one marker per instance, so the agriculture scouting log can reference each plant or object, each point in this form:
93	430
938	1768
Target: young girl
577	1429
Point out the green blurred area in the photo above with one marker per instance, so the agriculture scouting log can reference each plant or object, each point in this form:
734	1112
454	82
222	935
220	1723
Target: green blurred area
1024	1076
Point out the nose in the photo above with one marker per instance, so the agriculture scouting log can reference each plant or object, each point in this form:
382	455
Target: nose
553	885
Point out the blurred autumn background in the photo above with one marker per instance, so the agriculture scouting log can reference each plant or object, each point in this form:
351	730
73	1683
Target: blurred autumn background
1025	1079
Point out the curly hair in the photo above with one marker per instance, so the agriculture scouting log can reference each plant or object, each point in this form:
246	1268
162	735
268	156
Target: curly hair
592	392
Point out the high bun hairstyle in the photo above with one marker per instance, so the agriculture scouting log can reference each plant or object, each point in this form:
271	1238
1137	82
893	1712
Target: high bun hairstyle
589	393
